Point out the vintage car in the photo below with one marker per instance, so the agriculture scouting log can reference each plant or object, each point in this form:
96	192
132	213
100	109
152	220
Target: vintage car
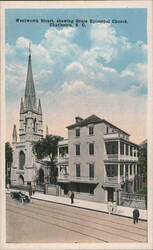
19	196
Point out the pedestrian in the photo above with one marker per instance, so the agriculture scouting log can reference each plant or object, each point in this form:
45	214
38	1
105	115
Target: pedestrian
72	198
110	207
30	193
114	209
33	190
136	215
8	186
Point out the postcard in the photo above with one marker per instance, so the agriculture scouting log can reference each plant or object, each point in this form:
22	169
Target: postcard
76	125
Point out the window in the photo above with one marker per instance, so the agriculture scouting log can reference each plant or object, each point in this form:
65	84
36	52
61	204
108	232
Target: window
91	189
34	125
138	169
107	130
134	169
77	149
135	150
121	169
127	149
77	132
111	147
121	148
21	160
131	150
91	170
111	170
91	148
91	130
63	151
130	169
126	170
77	170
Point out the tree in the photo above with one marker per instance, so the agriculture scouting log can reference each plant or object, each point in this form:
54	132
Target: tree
143	160
48	147
8	160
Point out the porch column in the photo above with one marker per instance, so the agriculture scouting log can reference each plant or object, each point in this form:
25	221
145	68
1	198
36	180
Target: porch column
128	171
124	151
124	172
136	169
104	172
119	150
118	172
58	167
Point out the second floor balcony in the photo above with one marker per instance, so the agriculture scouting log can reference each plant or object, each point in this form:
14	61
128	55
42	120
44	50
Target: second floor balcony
63	178
82	179
63	158
119	157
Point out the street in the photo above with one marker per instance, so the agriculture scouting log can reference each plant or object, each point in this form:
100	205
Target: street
45	222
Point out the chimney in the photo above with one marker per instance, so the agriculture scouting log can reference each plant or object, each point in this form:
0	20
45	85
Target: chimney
78	119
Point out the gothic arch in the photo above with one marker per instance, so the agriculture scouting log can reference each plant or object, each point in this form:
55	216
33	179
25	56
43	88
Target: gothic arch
20	180
41	175
21	160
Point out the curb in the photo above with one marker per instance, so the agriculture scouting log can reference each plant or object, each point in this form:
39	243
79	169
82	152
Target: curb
85	208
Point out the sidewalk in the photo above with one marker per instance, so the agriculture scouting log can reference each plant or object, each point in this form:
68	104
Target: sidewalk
89	205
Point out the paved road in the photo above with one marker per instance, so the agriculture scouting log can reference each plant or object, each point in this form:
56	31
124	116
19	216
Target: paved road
43	222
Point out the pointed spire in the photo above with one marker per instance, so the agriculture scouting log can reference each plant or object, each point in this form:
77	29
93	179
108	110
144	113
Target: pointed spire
39	108
30	96
29	49
21	106
14	135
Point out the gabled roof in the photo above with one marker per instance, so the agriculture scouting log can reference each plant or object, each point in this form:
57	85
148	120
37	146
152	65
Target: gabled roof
93	119
85	122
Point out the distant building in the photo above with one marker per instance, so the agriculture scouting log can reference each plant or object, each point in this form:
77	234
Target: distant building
98	162
25	167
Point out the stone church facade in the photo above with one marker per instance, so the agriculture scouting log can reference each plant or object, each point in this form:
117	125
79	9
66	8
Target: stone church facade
25	167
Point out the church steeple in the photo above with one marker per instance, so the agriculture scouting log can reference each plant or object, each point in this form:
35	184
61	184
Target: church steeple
30	96
30	113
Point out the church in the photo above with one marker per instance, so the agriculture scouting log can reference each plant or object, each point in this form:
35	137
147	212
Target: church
25	166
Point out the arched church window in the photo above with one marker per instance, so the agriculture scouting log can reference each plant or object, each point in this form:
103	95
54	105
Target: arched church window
21	160
34	125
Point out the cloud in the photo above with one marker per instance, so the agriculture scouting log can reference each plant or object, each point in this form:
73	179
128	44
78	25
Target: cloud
108	69
66	32
126	72
124	111
75	66
73	80
15	75
75	87
137	75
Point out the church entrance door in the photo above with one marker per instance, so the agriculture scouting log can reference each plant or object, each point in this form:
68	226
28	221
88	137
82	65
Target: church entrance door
41	176
21	180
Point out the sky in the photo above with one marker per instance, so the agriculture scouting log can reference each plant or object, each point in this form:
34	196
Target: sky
96	68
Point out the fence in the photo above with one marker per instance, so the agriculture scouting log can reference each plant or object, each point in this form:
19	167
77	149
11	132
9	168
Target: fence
133	200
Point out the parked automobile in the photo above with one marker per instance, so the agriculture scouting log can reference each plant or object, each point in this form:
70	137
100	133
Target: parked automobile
19	196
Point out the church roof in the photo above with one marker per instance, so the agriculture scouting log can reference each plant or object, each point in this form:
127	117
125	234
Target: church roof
30	96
